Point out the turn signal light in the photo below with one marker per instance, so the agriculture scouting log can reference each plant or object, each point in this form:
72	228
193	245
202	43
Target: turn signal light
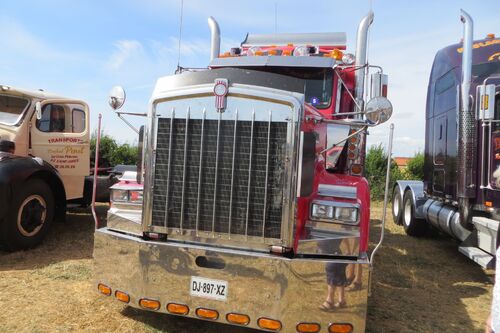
149	304
340	328
269	324
308	328
336	54
488	204
207	313
356	169
121	296
238	319
103	289
179	309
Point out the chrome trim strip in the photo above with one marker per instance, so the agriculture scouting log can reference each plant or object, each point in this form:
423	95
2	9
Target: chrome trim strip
216	173
338	191
249	173
267	173
199	172
172	117
232	172
186	133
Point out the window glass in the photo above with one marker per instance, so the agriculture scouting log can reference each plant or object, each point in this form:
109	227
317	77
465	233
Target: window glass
11	109
53	119
78	120
445	82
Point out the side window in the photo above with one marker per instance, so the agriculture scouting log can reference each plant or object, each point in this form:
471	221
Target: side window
78	120
62	118
445	93
53	119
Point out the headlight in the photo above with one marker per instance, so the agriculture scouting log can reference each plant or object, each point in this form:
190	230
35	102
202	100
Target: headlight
119	195
126	196
322	211
135	196
346	214
334	211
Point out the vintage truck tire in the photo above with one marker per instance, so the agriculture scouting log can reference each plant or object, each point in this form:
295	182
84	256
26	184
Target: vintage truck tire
29	217
397	206
413	226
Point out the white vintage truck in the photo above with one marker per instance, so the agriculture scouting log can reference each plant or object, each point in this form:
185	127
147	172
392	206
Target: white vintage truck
44	161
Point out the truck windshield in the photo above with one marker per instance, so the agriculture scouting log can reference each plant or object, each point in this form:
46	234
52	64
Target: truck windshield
319	83
11	109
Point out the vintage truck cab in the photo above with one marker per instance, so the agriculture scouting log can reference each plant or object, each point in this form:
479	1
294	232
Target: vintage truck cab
44	158
255	210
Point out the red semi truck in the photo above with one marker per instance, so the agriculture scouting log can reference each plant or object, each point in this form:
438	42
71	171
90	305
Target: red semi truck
255	211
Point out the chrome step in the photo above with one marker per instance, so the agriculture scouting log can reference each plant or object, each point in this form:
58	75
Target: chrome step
487	230
482	258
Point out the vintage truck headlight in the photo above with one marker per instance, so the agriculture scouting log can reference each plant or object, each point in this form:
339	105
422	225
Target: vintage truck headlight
323	210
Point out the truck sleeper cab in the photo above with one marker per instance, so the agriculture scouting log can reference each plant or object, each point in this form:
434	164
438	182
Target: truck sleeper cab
254	213
459	195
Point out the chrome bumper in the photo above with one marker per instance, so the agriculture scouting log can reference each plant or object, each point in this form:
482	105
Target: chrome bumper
259	284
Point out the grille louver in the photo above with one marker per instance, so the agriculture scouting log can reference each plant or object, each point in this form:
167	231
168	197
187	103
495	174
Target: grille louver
216	181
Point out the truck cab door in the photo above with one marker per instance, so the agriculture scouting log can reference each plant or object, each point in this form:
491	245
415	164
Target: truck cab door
61	138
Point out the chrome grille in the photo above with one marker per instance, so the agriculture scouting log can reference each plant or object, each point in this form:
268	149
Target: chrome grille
210	176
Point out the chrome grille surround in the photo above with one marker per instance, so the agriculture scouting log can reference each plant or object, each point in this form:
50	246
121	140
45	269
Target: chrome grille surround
271	110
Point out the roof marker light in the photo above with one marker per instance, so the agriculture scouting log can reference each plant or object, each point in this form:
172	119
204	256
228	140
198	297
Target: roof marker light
301	51
252	50
348	58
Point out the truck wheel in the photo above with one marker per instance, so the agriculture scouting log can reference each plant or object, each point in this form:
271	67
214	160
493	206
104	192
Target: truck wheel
397	206
413	226
30	216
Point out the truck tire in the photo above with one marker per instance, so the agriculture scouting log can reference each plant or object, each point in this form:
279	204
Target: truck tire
30	216
397	206
413	226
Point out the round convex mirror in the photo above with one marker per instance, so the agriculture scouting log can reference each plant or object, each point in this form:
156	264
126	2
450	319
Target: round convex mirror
116	97
378	110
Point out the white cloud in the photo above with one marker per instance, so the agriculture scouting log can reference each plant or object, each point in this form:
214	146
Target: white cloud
126	49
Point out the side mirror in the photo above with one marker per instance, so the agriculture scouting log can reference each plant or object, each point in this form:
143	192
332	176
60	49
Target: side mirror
379	83
38	110
487	102
116	97
378	110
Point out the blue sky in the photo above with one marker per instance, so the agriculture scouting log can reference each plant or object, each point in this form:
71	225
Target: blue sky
81	49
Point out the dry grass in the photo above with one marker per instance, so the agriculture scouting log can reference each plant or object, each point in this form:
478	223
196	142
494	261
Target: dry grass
419	285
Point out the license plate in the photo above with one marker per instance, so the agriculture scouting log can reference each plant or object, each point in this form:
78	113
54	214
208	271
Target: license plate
208	288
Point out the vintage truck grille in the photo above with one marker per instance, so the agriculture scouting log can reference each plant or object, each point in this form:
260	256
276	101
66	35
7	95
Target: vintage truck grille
218	176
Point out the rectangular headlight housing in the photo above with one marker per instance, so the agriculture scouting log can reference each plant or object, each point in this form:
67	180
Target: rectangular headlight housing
332	211
126	196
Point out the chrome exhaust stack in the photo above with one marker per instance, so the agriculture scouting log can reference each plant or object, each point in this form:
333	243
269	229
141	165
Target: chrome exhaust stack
215	38
466	125
361	57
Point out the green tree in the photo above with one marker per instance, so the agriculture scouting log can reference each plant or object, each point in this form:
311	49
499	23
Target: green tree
111	153
375	170
415	167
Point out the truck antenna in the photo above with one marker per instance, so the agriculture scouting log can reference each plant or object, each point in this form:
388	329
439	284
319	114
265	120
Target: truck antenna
180	39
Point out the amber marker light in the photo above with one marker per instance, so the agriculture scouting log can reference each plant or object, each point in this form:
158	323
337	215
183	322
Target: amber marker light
308	328
103	289
238	319
149	304
340	328
121	296
207	313
178	309
356	169
488	204
269	324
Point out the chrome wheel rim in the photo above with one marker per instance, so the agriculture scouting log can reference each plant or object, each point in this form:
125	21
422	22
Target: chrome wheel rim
395	205
31	215
407	213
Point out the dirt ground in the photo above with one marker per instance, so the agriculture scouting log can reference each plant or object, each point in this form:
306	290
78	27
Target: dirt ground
419	285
